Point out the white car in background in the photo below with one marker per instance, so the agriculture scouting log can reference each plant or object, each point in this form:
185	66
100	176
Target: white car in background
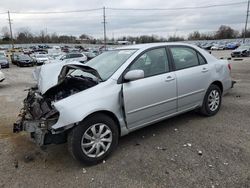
75	57
2	77
218	47
40	59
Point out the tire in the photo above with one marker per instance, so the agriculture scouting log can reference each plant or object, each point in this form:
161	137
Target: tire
77	136
208	109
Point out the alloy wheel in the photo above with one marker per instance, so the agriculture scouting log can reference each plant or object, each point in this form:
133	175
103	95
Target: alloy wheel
213	100
96	140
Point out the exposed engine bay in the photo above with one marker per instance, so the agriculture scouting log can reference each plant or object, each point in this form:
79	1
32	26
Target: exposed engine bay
69	86
38	112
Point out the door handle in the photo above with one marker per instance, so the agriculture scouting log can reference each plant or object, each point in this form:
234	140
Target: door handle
204	69
169	78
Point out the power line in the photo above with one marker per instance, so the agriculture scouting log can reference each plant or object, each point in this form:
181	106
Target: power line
180	8
129	9
58	12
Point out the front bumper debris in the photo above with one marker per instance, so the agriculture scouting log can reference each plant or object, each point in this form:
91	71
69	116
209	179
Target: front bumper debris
36	117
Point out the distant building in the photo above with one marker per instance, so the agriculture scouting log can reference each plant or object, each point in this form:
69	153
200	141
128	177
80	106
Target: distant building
83	41
123	42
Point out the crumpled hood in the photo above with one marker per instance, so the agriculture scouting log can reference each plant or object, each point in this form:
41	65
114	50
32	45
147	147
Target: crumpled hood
47	75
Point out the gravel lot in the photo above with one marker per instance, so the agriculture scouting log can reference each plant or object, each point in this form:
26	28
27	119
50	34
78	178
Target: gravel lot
161	155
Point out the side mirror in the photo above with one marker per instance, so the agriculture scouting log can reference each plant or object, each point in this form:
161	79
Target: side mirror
134	75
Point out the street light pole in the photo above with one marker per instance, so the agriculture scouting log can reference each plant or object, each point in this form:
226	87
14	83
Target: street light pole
245	31
104	28
11	34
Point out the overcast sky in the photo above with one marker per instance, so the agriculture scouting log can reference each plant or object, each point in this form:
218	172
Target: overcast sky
120	23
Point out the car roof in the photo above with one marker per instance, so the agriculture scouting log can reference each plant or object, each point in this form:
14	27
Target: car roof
152	45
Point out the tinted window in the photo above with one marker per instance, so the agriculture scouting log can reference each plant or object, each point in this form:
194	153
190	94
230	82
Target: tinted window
78	55
71	56
184	57
201	59
152	62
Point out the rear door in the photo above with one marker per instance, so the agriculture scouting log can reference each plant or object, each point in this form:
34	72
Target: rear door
153	97
193	76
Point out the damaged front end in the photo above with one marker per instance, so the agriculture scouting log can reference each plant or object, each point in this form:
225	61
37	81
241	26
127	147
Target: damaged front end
38	114
37	117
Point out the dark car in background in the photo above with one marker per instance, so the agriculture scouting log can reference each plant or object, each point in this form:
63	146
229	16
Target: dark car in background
22	60
242	51
4	62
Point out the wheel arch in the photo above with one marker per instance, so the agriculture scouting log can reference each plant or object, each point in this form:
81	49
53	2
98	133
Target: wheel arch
109	114
219	84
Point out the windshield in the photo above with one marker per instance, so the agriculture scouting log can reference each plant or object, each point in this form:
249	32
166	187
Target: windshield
25	57
108	62
41	56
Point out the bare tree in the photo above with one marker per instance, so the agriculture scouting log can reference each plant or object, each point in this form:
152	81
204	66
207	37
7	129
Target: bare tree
5	32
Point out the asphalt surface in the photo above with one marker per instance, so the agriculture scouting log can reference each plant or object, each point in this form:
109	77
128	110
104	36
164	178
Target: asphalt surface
165	154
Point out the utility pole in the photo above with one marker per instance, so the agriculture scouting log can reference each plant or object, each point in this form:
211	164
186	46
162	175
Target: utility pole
246	21
104	28
11	34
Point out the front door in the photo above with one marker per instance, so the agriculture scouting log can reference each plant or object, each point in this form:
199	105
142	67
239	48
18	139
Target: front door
153	97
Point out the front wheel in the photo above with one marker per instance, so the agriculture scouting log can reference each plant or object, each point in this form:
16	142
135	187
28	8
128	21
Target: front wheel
212	101
93	139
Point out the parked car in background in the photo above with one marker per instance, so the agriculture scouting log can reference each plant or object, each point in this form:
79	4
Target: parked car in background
75	57
4	62
2	77
242	51
90	55
40	59
91	105
232	46
27	51
22	60
206	46
218	47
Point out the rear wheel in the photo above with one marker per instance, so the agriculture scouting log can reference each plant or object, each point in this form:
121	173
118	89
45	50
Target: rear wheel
94	139
212	101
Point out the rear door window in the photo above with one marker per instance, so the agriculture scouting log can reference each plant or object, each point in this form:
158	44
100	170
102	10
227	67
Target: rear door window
184	57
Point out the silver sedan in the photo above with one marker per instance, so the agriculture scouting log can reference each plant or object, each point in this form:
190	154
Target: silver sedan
90	106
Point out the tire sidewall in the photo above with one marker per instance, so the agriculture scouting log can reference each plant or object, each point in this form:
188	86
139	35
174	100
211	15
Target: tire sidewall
205	103
78	132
